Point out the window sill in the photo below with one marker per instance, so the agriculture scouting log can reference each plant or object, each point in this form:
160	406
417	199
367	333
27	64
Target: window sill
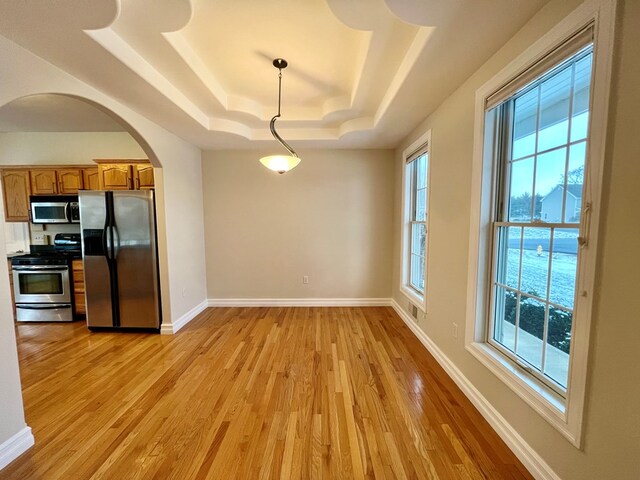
538	396
414	298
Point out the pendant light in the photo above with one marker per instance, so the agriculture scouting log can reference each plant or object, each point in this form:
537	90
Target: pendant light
280	163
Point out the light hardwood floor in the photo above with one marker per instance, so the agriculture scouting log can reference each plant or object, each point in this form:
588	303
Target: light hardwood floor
250	393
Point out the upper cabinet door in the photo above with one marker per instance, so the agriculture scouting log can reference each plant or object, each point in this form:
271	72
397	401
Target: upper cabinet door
69	181
91	179
15	187
115	176
43	182
143	176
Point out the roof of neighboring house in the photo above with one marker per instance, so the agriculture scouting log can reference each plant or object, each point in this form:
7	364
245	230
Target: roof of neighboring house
575	189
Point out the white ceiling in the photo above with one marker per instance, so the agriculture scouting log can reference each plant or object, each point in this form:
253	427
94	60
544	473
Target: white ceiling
362	73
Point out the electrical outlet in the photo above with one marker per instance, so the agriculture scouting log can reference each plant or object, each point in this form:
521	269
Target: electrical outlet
305	279
184	292
455	330
39	238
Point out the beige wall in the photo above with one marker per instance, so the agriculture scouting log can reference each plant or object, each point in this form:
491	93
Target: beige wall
61	148
612	426
330	219
613	414
180	212
11	411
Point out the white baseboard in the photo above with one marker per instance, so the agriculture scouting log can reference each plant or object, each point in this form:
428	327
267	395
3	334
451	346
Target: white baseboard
299	302
15	446
529	458
172	327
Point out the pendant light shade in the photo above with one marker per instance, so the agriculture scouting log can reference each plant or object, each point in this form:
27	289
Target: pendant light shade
280	163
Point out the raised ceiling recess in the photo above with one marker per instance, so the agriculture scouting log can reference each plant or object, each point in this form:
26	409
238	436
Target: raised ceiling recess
363	73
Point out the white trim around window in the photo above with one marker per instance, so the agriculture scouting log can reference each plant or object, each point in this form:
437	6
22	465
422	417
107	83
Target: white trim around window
422	144
564	414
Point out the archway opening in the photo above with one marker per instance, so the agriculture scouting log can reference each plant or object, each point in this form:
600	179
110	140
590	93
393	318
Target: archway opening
53	145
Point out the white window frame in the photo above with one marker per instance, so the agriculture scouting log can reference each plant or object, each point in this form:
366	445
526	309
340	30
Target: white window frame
564	414
414	297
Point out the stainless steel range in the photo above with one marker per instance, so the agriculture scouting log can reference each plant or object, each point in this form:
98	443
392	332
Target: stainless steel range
42	283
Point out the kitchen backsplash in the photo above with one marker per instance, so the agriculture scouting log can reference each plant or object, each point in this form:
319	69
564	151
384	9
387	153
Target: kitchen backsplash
43	234
19	235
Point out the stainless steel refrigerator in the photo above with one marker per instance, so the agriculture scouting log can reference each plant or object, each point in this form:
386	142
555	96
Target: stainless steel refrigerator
120	259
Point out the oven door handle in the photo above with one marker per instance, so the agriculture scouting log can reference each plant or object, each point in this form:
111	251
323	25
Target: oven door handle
36	268
48	306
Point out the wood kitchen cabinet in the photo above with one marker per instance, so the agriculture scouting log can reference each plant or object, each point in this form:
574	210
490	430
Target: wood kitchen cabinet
125	174
16	190
18	183
115	176
143	176
91	178
59	181
43	182
70	180
77	269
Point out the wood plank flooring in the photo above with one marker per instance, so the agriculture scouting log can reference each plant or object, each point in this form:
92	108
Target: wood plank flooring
250	393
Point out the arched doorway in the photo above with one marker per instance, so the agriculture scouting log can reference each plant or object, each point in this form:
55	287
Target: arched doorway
59	129
46	129
64	129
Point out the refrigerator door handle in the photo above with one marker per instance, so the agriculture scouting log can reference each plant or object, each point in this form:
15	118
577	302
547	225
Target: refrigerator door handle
106	243
116	241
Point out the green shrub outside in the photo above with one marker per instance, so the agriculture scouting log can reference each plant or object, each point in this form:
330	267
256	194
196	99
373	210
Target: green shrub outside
532	320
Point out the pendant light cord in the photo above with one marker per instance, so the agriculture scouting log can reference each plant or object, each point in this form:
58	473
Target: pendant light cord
272	125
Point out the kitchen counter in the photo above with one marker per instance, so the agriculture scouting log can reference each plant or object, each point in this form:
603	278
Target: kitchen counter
15	254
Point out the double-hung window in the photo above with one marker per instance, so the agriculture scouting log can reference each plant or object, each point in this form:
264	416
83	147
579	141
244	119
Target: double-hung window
415	222
541	137
540	130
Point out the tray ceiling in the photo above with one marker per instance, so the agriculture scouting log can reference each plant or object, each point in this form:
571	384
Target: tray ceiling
362	73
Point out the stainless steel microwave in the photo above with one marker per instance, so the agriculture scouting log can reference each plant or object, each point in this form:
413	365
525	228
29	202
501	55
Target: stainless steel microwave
54	209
